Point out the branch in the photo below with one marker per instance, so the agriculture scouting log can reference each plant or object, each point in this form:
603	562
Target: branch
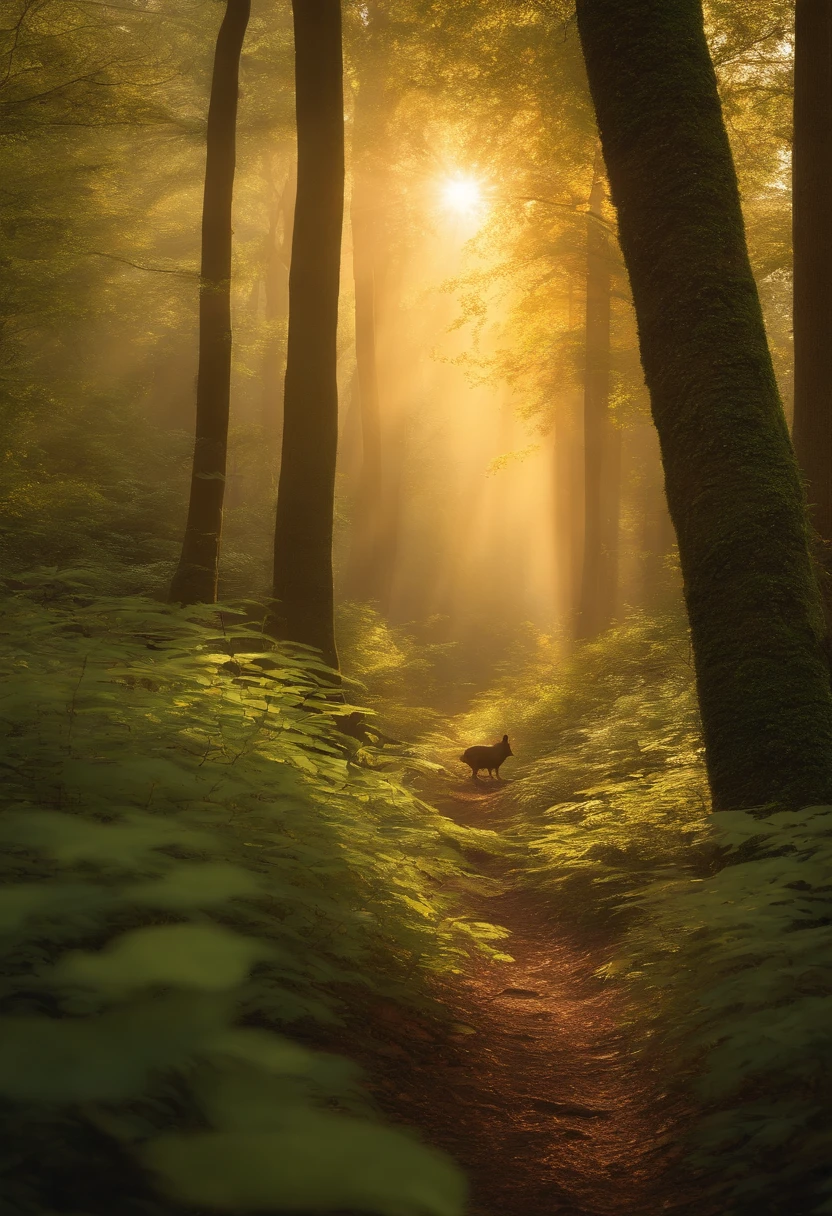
114	257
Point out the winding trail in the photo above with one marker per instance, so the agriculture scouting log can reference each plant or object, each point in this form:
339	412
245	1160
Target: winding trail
535	1093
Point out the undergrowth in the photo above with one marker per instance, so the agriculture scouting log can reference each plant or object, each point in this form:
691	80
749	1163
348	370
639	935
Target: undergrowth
193	858
389	671
722	922
733	971
607	787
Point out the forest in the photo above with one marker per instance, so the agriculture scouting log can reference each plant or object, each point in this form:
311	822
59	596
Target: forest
416	580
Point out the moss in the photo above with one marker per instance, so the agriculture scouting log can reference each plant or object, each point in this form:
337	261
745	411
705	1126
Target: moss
733	486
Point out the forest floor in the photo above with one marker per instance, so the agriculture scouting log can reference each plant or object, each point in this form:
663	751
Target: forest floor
534	1090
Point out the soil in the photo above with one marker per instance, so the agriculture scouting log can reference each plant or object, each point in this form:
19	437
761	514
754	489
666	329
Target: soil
531	1084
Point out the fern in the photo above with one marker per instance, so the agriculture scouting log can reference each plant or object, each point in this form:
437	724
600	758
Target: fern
608	787
191	847
735	968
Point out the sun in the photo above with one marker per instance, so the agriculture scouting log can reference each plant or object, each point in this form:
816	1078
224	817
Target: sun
462	194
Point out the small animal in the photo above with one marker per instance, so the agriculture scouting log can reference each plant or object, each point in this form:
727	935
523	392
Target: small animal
487	757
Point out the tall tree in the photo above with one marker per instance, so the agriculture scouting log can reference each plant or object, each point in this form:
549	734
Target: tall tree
365	576
569	515
732	480
812	236
195	580
601	447
306	490
276	284
362	567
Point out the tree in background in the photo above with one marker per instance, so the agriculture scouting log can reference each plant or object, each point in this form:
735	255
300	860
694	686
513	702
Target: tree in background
364	579
812	238
732	481
278	247
195	580
305	500
601	444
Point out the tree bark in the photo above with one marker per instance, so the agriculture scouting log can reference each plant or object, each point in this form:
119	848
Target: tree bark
306	490
600	560
812	237
733	485
195	580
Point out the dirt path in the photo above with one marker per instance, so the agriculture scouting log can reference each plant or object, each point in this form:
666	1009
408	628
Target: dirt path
542	1105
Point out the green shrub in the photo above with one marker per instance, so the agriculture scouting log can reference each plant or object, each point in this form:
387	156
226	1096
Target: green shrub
193	856
737	971
607	787
403	679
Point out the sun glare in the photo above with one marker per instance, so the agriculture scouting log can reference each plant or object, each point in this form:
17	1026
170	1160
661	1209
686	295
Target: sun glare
462	195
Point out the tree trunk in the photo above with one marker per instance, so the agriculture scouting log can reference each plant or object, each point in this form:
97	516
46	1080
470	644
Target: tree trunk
657	535
276	283
365	575
306	490
812	233
733	485
362	574
569	508
600	562
195	580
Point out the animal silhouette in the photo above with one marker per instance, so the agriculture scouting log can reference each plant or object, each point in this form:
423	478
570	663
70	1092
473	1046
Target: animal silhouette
487	757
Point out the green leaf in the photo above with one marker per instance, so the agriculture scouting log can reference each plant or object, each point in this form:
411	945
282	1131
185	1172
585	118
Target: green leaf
318	1162
107	1058
71	838
195	885
207	957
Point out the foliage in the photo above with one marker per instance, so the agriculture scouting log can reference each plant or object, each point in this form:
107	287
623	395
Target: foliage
607	788
727	918
412	675
735	968
389	671
192	857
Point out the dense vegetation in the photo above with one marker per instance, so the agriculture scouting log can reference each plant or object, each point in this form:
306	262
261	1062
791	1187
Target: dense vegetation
194	858
719	922
214	848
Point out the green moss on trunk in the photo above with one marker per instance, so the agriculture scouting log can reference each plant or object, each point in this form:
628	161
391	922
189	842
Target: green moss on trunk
732	481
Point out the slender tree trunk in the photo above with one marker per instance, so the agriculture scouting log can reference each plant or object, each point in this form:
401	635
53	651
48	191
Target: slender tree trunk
195	580
365	574
812	233
569	532
276	283
362	573
306	491
597	602
732	481
611	508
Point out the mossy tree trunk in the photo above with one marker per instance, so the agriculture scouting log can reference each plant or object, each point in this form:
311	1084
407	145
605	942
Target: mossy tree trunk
812	230
601	446
732	480
195	580
306	489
